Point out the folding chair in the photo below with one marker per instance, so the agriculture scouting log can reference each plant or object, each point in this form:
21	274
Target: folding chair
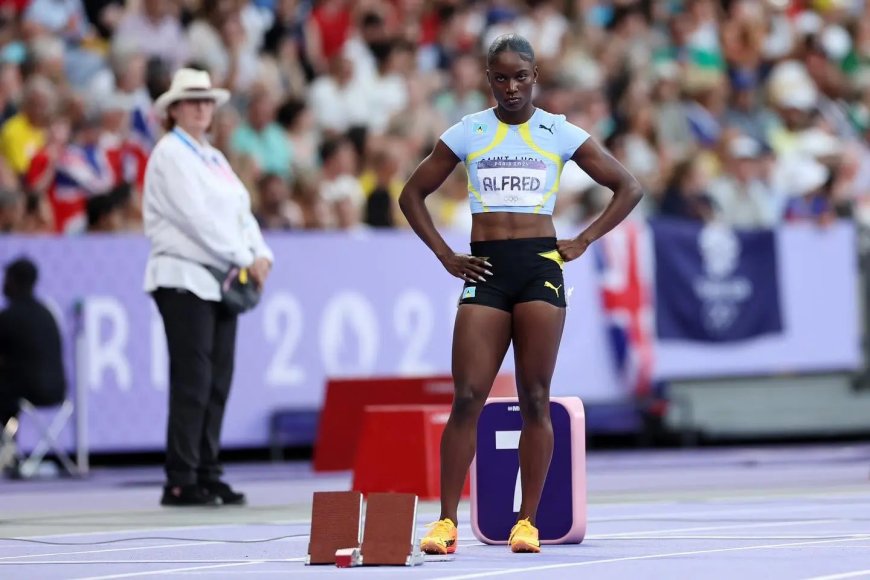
48	434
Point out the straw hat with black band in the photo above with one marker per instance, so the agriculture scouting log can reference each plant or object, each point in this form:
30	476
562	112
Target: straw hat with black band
189	83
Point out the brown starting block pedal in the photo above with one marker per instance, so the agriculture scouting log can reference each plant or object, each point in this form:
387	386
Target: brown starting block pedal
390	536
336	523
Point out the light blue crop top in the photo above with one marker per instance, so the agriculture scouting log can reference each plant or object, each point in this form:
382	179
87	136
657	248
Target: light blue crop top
514	168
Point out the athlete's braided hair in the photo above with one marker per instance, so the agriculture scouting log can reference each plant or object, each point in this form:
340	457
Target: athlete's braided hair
513	43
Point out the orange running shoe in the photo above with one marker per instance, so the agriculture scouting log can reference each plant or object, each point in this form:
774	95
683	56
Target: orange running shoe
441	538
524	537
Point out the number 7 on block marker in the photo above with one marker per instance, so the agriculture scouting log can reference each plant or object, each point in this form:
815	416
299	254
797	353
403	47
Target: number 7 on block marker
511	440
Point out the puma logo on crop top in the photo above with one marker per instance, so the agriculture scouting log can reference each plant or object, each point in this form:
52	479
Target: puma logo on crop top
514	168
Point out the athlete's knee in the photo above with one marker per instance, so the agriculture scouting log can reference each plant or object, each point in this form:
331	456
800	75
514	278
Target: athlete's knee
535	404
468	400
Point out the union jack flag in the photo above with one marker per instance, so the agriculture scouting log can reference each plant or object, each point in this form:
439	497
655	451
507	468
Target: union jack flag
623	259
83	171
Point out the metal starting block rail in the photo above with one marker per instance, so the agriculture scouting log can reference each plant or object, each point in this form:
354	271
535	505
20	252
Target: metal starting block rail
389	537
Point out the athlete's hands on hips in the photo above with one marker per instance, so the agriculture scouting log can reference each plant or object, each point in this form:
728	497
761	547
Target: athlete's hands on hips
468	268
571	249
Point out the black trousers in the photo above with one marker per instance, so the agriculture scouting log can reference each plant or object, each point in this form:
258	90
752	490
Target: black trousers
201	336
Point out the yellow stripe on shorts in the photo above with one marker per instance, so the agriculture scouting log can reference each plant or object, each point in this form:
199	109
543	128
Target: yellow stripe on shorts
555	256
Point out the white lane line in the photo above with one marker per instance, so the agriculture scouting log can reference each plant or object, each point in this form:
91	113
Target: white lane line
712	528
680	505
108	550
130	531
640	534
507	571
152	530
623	535
603	501
680	511
855	574
132	548
729	513
844	537
203	542
307	573
393	571
171	571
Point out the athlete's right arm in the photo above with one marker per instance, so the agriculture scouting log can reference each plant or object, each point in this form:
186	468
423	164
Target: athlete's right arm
428	177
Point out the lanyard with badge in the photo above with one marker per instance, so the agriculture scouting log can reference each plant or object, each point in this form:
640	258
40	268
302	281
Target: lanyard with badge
214	164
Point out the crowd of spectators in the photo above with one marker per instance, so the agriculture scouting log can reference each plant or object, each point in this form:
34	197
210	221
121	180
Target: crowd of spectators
752	112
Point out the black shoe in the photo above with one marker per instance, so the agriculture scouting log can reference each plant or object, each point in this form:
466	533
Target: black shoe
187	495
224	492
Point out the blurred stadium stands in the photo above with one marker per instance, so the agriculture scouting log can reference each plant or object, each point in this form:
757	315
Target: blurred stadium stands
716	106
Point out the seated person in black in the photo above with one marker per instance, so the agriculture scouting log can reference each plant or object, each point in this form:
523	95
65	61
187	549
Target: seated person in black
31	366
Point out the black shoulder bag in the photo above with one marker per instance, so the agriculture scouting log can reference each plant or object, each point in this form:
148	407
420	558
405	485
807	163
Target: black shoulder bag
239	293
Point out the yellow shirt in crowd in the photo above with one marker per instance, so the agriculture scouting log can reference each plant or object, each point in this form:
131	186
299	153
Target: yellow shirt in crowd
19	142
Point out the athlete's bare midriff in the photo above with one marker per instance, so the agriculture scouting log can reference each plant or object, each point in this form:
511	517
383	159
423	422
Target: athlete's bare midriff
490	226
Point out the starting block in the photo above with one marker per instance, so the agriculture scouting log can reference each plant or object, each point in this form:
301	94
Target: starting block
390	533
390	537
336	526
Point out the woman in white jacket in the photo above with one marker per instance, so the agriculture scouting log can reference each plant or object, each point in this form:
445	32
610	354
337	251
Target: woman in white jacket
197	215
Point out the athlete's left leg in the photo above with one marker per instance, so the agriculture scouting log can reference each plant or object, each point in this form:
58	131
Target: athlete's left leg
537	332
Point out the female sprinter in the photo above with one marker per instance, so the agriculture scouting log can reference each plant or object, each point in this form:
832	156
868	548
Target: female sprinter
513	290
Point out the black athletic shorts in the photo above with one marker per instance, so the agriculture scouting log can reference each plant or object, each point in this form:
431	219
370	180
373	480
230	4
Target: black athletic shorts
523	270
